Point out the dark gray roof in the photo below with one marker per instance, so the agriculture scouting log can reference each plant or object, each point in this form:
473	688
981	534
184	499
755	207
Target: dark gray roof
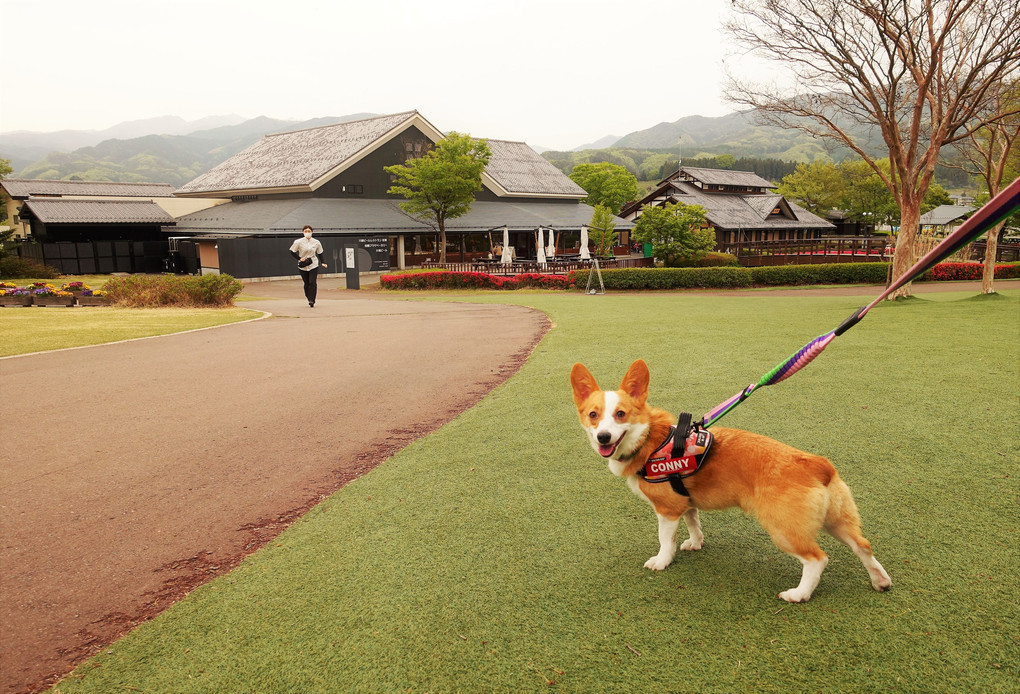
300	158
725	177
65	211
303	160
747	211
367	216
518	169
734	211
946	214
25	187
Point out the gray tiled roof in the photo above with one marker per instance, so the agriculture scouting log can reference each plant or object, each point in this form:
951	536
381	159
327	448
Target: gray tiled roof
944	214
64	211
297	158
520	169
725	177
24	187
733	211
762	204
374	216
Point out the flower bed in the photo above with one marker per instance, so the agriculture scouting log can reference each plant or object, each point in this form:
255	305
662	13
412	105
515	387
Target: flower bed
46	294
969	271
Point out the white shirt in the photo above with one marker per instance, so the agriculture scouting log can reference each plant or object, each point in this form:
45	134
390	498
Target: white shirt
307	248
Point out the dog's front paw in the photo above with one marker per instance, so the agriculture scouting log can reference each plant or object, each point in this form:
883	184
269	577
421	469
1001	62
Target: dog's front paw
690	544
658	563
795	595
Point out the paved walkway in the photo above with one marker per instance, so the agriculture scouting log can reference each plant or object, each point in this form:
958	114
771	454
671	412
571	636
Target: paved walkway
133	472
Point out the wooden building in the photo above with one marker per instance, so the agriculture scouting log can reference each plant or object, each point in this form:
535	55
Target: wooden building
740	205
332	178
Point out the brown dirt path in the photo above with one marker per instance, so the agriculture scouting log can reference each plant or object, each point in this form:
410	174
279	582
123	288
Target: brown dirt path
149	467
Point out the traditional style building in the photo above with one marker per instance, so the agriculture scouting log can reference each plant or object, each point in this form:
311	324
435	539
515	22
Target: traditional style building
333	178
93	226
740	205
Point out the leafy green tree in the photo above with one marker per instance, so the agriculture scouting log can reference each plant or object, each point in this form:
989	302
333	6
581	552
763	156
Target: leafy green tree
866	198
602	231
441	184
607	184
817	187
676	231
936	195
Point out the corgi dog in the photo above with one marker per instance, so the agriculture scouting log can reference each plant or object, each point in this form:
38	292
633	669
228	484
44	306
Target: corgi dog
793	494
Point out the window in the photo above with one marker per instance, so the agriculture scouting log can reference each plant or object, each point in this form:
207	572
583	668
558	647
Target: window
353	189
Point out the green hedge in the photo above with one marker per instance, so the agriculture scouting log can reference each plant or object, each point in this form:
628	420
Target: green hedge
668	278
834	273
776	276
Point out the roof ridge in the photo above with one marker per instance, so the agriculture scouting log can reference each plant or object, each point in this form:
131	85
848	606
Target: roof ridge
66	182
344	122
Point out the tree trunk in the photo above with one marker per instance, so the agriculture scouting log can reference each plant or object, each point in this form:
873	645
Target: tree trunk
906	240
988	274
442	240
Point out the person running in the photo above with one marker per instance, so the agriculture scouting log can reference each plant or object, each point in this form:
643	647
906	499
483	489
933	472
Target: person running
308	252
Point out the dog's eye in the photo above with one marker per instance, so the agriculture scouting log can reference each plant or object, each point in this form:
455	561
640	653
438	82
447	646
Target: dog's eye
620	414
593	415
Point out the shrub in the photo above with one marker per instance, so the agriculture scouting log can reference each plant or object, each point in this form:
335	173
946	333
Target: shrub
833	273
13	267
139	291
716	259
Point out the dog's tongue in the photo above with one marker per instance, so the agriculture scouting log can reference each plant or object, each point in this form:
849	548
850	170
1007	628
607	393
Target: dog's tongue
606	451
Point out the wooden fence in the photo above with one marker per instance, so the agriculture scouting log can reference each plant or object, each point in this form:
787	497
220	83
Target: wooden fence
842	250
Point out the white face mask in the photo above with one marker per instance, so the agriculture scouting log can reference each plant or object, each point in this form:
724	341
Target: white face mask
308	234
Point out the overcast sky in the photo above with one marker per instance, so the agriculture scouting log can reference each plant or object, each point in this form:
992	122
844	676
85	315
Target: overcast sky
553	73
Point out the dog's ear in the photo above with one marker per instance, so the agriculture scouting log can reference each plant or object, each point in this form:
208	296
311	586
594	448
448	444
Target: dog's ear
635	383
583	383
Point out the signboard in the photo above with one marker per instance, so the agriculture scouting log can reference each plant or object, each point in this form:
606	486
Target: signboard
378	250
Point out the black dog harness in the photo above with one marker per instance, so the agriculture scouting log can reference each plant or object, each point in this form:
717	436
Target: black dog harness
681	455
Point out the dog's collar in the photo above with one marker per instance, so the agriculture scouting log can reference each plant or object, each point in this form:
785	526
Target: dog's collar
637	449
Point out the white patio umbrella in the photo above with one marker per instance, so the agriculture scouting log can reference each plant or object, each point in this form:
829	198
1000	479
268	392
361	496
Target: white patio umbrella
541	246
506	258
585	255
551	248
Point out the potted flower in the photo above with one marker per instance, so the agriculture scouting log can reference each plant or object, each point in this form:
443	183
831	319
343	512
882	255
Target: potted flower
93	297
76	288
45	294
11	295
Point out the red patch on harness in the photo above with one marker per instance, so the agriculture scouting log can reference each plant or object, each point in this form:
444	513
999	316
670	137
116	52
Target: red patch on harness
661	464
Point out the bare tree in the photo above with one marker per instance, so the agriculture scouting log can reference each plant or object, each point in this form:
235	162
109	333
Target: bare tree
987	154
918	72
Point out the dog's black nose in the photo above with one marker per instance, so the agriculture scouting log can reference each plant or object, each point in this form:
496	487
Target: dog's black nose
604	437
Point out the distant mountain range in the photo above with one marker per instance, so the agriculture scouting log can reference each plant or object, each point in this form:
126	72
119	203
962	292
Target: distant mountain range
159	150
172	150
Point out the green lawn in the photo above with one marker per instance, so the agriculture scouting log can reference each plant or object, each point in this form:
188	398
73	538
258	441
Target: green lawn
32	329
499	554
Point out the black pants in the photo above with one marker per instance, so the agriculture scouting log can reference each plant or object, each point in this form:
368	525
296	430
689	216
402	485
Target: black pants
309	277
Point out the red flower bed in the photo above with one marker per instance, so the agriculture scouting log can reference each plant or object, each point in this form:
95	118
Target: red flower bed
968	271
472	280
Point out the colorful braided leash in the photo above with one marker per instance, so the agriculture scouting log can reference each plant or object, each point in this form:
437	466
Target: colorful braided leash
990	214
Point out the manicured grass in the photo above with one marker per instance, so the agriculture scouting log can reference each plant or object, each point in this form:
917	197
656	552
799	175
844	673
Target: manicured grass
499	554
33	329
